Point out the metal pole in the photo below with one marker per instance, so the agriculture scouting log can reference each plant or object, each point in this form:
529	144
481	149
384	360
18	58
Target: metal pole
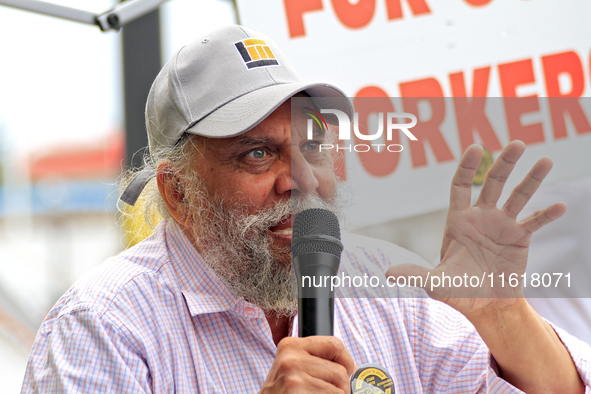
141	64
45	8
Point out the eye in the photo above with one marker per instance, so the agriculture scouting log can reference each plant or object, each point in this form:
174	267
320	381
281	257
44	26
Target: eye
257	153
311	146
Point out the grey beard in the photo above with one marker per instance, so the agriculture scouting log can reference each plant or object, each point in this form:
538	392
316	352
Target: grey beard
238	248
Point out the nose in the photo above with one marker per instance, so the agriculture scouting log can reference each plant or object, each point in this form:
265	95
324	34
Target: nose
296	176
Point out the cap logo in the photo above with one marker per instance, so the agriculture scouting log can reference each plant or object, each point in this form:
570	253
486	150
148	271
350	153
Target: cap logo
256	53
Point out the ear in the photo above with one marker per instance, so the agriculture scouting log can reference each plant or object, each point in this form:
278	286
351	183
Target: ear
172	192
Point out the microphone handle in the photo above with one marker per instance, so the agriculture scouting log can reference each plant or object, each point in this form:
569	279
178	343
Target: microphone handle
314	272
316	316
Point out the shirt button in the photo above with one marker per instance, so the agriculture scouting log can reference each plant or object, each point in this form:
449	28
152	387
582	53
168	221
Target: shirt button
249	312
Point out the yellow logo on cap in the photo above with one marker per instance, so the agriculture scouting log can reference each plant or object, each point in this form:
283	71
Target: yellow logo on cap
256	53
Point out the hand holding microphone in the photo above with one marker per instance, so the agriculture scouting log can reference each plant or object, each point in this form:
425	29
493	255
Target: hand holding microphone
316	250
315	364
319	362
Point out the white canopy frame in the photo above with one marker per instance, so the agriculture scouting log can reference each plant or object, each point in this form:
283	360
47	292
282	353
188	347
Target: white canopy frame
112	19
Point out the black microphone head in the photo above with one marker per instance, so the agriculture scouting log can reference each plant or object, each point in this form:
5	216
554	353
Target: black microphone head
316	230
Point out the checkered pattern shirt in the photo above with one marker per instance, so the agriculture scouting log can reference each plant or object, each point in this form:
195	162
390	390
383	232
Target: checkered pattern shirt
155	319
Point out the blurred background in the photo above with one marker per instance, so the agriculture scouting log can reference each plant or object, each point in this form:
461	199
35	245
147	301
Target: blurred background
62	147
69	92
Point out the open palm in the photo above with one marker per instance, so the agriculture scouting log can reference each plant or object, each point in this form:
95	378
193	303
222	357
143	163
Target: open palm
482	244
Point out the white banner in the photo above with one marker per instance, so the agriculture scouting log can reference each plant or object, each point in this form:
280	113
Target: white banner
455	48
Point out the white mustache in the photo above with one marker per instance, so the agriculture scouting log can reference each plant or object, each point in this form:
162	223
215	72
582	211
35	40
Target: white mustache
284	209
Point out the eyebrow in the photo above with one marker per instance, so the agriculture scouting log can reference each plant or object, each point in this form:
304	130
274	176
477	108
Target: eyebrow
318	133
254	141
251	141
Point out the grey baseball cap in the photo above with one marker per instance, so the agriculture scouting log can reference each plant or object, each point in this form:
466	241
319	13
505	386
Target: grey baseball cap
220	86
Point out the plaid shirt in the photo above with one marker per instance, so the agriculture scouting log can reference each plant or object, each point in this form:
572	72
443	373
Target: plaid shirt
155	319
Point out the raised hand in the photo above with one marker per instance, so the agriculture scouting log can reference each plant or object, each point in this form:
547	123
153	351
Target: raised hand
482	240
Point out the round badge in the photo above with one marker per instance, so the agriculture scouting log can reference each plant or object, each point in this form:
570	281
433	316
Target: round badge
372	379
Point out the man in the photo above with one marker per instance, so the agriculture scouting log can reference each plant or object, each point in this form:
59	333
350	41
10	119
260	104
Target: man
205	305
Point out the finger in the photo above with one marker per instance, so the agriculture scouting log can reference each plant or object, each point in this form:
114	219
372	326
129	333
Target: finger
321	386
524	191
330	348
461	184
499	172
311	372
329	372
305	383
542	217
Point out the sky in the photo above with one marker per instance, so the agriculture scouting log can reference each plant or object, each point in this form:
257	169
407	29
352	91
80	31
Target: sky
61	81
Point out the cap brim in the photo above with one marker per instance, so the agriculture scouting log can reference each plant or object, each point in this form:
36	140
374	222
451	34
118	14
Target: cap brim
242	114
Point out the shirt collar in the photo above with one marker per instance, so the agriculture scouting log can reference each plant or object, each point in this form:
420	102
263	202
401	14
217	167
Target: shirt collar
203	289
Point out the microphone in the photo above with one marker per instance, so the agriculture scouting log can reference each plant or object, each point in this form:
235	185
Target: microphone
316	249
